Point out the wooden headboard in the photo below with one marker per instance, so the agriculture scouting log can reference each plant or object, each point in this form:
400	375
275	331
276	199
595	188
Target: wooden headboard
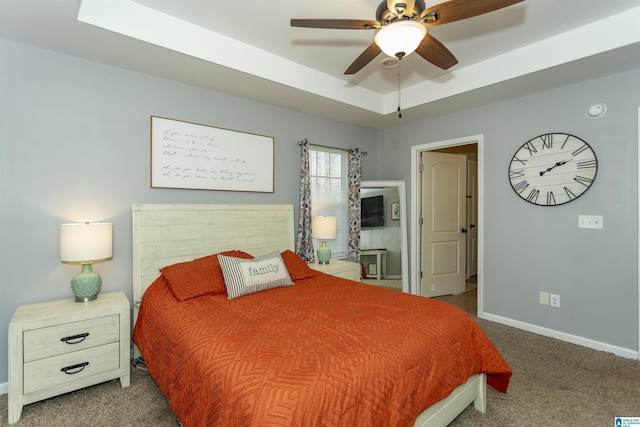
164	234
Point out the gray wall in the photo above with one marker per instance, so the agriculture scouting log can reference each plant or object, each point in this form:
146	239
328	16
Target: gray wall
529	248
75	147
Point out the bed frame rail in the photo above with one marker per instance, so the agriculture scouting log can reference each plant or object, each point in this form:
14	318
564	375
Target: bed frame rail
443	412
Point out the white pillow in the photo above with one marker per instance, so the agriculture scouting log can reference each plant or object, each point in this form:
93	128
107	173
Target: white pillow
248	276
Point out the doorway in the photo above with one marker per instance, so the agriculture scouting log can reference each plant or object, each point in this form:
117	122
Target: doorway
472	147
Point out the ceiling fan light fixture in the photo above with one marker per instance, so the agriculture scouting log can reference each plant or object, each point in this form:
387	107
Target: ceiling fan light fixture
400	38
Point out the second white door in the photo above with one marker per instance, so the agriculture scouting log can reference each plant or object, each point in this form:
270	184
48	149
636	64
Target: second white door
443	230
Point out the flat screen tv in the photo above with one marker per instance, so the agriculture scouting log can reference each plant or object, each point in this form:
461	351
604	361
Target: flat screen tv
372	212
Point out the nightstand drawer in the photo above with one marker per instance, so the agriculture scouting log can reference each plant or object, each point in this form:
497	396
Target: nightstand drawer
66	368
70	337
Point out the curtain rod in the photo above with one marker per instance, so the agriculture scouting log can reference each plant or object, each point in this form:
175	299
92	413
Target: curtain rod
364	153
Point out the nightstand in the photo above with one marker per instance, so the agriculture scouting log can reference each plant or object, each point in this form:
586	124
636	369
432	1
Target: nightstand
344	269
60	346
381	262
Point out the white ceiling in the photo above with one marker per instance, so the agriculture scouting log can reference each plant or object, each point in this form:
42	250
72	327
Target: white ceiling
247	48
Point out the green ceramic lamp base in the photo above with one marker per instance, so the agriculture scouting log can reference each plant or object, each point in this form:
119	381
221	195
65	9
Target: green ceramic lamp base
86	284
324	253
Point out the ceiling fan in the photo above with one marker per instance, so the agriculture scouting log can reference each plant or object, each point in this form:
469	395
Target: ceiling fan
402	28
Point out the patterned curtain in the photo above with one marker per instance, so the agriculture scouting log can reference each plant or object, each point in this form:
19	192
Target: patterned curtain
355	177
304	242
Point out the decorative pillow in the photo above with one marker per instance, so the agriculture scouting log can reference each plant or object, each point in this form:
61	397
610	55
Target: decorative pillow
298	269
248	276
201	276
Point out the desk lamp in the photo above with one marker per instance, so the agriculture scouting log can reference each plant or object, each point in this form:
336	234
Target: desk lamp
324	228
86	243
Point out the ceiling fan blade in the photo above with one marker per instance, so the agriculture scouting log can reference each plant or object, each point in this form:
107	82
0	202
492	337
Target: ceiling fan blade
365	57
433	51
336	24
456	10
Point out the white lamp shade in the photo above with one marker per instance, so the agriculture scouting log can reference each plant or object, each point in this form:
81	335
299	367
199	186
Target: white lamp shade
400	37
324	227
86	241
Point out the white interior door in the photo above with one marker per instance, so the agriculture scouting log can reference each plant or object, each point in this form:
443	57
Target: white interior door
472	218
443	230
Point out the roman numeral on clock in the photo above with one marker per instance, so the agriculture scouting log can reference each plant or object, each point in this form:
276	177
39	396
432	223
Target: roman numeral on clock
582	180
547	141
533	195
570	194
516	159
587	164
519	187
516	174
551	199
580	150
529	146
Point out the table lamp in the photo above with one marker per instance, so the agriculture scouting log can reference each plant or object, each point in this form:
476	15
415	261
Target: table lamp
323	228
86	243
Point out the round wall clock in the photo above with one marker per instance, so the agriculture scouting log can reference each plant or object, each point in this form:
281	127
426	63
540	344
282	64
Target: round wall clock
553	169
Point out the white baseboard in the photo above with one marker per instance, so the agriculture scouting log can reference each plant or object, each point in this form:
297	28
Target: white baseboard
574	339
4	388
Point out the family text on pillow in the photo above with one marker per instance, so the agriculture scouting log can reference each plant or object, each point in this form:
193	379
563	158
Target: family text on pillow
248	276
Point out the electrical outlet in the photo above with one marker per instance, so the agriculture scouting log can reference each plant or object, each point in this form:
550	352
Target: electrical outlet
544	298
554	300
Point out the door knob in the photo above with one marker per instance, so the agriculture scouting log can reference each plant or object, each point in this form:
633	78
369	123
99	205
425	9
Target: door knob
472	226
464	230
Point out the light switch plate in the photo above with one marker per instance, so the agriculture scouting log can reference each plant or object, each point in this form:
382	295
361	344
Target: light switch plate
544	298
590	221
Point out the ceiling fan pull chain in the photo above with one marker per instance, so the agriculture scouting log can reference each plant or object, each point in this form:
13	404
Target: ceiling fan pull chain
399	89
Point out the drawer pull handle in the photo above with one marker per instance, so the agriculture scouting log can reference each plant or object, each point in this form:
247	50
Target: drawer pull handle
75	339
75	368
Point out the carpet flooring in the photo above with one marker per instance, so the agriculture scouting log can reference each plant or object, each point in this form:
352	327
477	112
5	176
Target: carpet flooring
554	384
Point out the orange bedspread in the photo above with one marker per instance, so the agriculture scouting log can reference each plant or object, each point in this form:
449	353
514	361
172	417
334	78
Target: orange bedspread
325	352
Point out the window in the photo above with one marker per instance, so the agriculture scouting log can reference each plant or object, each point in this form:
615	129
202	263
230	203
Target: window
329	193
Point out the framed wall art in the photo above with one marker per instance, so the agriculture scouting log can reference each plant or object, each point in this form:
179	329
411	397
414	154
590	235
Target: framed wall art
193	156
373	269
395	210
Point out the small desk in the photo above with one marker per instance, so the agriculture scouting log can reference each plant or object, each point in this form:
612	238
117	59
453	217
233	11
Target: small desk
381	261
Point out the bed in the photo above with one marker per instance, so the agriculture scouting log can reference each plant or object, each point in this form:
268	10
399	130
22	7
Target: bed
313	350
